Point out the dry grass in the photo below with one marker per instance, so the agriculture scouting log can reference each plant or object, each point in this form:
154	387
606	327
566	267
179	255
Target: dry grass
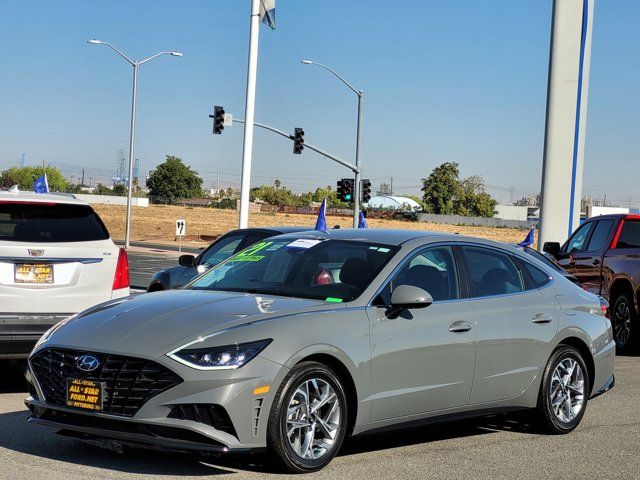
157	223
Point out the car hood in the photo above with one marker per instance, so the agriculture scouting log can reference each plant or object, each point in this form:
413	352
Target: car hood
150	325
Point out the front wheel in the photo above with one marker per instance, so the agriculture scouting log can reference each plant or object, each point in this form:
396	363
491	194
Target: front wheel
564	391
308	420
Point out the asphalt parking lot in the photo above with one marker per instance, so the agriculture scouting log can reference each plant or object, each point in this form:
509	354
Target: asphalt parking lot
605	446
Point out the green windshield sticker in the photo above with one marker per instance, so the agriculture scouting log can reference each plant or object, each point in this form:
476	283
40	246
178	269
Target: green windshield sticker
333	299
249	254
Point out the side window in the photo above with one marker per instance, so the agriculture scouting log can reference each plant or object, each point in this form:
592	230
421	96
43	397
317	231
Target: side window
492	272
221	250
630	235
433	270
578	242
600	235
538	277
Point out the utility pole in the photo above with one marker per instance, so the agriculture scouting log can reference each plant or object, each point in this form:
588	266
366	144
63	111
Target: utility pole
392	186
82	184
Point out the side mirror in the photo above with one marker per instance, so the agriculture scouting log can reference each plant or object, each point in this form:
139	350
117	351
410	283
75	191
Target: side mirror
552	248
186	260
408	296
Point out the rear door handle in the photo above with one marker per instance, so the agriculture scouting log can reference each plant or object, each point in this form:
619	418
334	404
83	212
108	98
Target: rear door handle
541	318
460	326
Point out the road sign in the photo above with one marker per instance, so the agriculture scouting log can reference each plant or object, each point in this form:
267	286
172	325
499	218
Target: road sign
228	120
181	227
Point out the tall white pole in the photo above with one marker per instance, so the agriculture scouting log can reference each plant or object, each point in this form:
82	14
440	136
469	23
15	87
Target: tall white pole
357	189
564	141
247	146
132	136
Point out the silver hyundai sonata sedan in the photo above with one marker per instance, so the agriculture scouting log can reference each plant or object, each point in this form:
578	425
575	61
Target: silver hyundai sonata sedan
303	339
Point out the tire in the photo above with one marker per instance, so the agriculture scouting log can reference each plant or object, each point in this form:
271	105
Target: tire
331	418
625	323
560	419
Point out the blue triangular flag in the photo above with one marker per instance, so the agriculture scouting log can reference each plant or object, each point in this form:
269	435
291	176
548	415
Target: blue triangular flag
528	240
41	185
321	223
362	221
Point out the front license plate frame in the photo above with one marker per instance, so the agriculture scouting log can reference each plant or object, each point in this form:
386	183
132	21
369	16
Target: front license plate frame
85	394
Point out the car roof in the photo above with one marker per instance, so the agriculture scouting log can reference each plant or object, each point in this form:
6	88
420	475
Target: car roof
384	236
30	197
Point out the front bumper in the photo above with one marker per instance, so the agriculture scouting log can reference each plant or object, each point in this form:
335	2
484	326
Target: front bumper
154	425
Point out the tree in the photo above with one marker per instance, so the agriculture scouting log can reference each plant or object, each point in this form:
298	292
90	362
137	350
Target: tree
173	179
25	176
120	190
445	193
442	188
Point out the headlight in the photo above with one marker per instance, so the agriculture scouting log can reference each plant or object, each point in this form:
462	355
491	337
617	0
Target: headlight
219	358
47	335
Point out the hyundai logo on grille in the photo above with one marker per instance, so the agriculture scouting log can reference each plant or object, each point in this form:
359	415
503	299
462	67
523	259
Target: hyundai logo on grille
87	363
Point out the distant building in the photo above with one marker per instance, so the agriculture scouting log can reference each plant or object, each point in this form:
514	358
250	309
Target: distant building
384	202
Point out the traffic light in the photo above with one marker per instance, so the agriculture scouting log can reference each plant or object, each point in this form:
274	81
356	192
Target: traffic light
218	120
345	190
298	141
366	190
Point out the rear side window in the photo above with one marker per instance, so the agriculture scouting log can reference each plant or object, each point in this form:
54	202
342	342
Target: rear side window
49	223
492	272
600	235
538	277
630	235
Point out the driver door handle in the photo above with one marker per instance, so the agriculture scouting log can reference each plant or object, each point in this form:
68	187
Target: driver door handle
541	318
460	326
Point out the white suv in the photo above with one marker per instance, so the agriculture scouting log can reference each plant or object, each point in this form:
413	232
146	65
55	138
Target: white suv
56	259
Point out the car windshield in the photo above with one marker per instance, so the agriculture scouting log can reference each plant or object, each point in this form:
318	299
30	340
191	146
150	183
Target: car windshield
330	270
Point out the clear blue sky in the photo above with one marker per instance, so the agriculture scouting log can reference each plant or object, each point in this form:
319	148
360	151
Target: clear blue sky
460	81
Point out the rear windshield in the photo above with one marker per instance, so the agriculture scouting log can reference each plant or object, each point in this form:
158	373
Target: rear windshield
49	222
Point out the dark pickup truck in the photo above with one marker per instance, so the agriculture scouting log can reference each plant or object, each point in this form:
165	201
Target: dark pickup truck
604	254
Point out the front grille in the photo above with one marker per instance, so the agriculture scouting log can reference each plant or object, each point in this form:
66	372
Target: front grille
210	414
129	382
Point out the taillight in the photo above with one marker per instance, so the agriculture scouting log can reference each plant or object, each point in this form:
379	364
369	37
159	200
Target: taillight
121	277
604	306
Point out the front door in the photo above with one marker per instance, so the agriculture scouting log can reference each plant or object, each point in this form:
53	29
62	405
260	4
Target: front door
423	360
588	262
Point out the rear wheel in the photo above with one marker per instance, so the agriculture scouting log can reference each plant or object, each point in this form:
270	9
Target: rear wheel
308	420
625	321
564	391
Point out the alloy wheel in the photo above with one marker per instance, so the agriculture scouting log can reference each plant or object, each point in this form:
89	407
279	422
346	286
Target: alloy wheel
313	419
622	323
566	394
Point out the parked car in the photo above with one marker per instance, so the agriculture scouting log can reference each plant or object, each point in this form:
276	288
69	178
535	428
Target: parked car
305	338
228	244
56	259
604	255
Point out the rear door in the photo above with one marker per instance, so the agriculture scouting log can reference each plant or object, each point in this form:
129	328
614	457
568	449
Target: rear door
54	258
515	322
588	262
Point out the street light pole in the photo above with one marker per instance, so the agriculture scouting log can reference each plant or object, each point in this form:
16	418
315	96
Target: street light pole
132	136
132	132
358	171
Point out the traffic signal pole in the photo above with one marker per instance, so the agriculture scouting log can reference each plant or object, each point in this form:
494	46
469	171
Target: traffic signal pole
324	153
358	171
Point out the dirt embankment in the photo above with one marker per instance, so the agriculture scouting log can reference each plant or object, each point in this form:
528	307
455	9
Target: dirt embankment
157	223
